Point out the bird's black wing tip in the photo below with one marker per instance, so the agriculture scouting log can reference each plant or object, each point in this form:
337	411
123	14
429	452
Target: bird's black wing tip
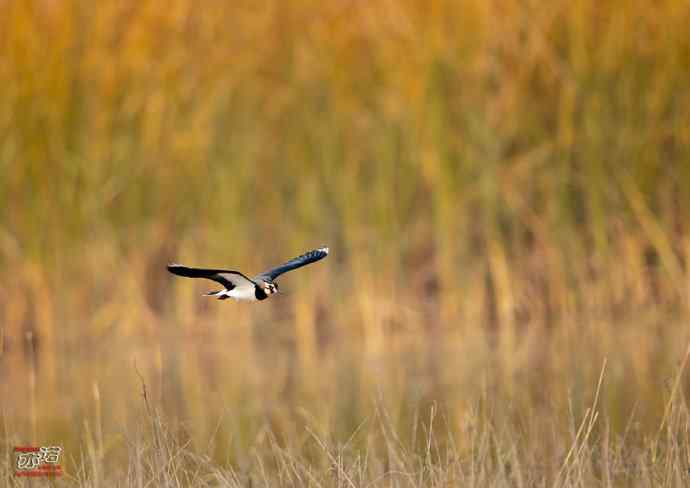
176	268
322	251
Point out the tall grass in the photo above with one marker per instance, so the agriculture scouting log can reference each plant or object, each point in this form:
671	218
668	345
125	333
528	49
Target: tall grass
505	187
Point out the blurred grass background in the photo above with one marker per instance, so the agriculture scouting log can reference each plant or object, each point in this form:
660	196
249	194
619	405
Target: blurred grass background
504	185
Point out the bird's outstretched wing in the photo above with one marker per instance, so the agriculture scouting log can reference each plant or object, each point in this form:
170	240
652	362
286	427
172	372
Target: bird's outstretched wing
294	263
229	279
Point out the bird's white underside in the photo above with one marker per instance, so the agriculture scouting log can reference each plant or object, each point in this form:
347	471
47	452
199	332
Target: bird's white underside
240	293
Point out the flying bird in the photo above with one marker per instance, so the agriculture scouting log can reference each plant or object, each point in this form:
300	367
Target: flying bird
240	287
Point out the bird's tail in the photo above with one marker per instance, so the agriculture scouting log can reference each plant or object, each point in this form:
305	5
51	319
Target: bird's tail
213	293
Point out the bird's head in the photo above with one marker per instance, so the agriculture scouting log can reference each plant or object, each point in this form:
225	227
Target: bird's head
270	288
